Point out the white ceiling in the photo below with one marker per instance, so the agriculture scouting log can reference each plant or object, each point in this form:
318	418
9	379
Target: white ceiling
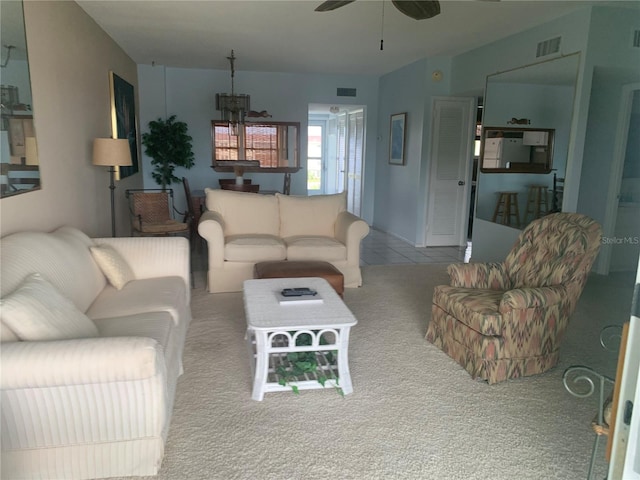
288	36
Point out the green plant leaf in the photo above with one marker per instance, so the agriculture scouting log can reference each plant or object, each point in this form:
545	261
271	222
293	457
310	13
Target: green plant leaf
169	146
303	340
306	367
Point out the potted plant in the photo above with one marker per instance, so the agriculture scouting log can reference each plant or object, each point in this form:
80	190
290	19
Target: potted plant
169	146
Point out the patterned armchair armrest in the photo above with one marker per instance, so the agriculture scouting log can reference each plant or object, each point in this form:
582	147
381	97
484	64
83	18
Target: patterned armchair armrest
479	275
540	297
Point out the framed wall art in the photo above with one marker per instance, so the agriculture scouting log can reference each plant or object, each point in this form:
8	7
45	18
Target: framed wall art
397	138
123	119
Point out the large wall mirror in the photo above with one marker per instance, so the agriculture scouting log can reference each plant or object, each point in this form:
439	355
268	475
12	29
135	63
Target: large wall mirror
267	146
19	163
526	133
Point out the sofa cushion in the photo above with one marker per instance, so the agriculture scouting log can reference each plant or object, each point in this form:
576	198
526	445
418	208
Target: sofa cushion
165	294
254	248
114	267
37	311
307	247
6	334
156	325
315	215
245	213
62	258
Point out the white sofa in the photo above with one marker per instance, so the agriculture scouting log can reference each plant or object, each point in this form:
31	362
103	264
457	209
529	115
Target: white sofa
96	406
245	228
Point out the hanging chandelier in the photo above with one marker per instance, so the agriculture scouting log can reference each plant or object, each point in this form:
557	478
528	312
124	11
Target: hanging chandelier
234	107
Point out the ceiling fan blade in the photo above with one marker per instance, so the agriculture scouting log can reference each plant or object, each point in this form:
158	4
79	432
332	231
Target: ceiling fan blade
417	9
332	5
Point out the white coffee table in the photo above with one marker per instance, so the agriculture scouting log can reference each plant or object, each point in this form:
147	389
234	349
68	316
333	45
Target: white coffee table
272	330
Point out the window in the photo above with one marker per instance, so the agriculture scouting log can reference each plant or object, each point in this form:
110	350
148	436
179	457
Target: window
274	145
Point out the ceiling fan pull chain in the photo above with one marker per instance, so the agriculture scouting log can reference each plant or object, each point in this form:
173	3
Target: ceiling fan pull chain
382	29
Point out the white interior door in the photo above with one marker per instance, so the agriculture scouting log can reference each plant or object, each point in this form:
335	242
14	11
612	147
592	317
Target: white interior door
340	151
452	135
354	162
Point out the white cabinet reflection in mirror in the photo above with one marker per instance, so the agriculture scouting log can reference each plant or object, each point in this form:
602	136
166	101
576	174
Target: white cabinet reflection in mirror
535	138
515	150
501	152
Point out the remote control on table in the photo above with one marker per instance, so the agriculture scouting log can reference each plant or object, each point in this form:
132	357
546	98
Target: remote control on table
297	292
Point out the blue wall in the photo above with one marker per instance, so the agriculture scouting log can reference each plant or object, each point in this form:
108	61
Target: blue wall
401	193
614	64
190	94
396	185
395	198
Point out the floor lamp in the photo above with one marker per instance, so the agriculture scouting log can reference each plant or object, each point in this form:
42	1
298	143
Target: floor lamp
112	153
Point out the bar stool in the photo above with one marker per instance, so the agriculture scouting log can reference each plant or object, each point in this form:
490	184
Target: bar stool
506	209
536	200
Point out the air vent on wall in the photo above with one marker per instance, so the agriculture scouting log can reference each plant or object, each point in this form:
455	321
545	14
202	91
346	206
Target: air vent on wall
636	39
548	47
346	92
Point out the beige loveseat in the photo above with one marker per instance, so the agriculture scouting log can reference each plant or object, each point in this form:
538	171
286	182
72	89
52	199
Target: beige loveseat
89	372
245	228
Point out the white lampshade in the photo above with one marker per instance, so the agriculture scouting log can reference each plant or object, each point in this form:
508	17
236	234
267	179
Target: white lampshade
111	152
31	151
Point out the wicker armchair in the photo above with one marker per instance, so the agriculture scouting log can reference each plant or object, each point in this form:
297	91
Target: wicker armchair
152	213
507	320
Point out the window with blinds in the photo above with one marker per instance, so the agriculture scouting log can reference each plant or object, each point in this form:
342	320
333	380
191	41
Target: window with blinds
273	144
265	143
226	146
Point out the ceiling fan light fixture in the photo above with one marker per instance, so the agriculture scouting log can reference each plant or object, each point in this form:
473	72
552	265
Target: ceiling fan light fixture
416	9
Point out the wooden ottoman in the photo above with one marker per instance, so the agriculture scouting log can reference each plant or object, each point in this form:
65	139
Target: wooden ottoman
301	268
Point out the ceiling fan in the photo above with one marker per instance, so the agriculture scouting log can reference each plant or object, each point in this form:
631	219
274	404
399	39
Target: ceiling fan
416	9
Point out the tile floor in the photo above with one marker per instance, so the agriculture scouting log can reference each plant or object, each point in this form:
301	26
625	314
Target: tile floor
380	248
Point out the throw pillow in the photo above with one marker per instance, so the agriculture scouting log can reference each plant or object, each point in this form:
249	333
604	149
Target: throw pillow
37	311
310	216
114	267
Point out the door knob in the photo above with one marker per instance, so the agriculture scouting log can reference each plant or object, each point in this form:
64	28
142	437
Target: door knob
461	182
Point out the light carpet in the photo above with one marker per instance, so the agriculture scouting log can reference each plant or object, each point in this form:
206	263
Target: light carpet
414	412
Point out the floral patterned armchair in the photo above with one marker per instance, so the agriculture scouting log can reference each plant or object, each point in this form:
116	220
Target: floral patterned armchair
507	320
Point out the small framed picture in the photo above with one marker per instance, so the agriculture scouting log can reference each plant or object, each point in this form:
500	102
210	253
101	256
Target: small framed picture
396	138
